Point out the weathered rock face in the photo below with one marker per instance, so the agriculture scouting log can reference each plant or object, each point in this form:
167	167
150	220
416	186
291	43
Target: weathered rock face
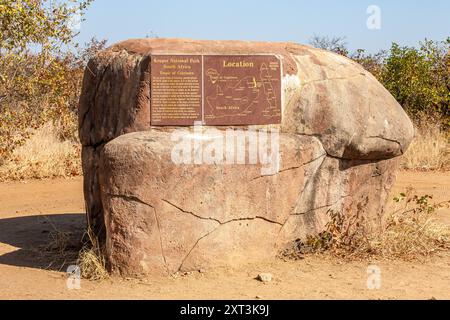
165	216
341	132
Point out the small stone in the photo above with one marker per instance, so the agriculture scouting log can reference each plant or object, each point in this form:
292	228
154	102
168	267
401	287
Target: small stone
259	297
264	277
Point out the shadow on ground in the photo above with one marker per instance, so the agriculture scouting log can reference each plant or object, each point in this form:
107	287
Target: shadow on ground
44	241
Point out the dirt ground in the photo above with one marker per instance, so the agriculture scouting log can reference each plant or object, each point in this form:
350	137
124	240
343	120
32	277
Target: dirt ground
30	210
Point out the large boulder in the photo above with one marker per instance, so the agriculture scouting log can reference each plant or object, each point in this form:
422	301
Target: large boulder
340	135
163	216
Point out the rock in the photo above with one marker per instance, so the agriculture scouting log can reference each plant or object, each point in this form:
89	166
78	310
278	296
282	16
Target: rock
264	277
91	188
340	137
326	95
179	212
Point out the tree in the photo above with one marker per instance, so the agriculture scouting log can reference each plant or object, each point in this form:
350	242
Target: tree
373	63
41	23
37	81
419	78
334	44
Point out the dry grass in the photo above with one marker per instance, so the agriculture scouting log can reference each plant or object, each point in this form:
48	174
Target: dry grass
430	149
86	253
44	155
62	247
58	242
91	260
411	232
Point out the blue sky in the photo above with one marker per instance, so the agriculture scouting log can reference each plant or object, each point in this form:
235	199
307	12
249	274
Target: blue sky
404	21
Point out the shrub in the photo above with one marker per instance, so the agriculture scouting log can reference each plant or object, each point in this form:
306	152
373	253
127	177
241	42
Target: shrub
411	232
39	82
418	78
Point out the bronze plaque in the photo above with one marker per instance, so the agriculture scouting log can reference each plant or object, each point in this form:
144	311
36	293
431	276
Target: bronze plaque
242	90
176	90
215	90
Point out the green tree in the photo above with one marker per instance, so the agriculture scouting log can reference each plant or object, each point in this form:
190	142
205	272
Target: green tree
374	63
419	77
38	82
37	22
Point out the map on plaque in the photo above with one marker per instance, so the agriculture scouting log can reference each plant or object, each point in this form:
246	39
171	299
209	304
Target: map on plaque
215	90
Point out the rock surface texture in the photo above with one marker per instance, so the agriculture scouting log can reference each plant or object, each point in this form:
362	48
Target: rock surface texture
340	136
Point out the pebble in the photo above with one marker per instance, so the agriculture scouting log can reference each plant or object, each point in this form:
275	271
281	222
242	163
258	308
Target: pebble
264	277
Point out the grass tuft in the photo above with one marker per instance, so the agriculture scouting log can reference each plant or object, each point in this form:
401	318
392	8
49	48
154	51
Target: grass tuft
91	259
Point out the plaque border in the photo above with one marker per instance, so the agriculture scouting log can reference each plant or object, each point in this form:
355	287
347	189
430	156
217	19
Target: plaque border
202	55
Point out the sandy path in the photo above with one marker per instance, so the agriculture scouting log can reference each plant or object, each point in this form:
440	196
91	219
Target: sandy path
28	212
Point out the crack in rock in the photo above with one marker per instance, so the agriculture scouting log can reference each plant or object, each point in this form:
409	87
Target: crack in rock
215	229
191	213
220	224
318	208
309	211
217	220
94	98
194	246
160	240
291	168
136	199
387	139
310	181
